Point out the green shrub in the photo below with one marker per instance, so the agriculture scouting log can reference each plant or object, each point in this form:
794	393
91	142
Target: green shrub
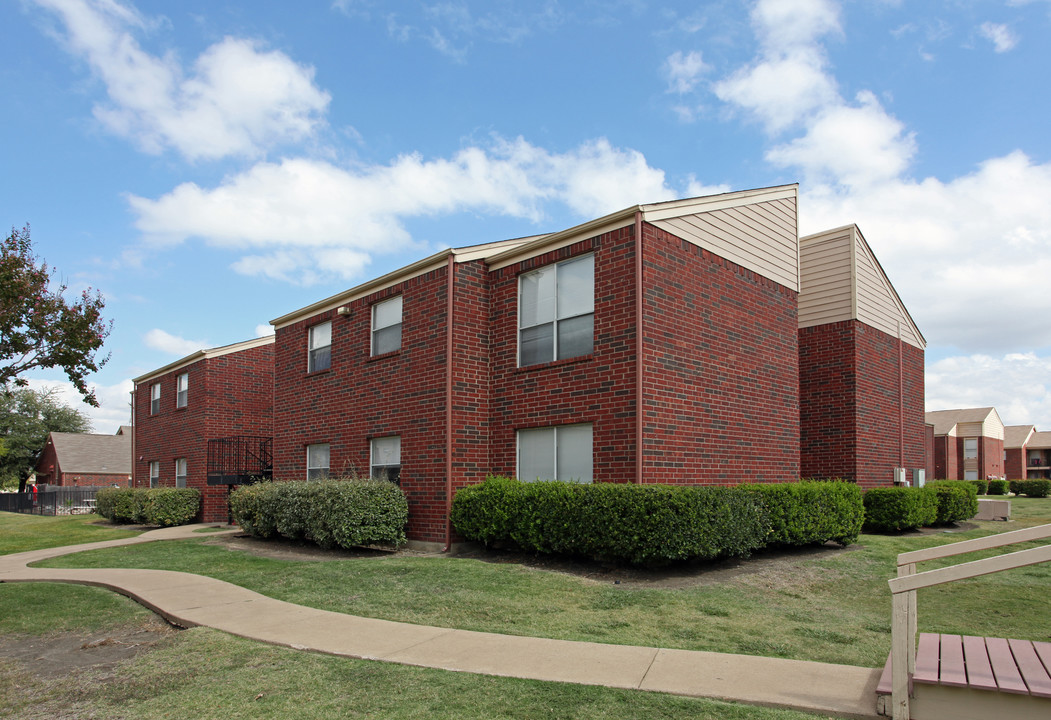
1015	486
957	500
894	509
638	524
332	513
981	486
122	505
171	506
812	512
998	487
1037	488
105	502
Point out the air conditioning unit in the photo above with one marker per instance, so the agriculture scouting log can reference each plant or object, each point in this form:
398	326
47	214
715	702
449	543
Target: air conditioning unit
899	477
920	476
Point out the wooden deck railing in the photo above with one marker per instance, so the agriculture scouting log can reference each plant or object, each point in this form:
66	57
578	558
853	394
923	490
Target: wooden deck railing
903	589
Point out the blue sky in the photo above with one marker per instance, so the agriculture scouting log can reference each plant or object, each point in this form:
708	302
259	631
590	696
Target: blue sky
212	165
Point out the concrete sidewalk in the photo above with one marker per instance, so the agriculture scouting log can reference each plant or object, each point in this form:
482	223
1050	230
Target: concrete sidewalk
189	600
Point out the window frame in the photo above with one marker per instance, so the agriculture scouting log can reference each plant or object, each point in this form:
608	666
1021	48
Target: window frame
557	430
314	352
965	455
376	306
155	398
318	472
185	472
155	477
558	319
182	389
383	471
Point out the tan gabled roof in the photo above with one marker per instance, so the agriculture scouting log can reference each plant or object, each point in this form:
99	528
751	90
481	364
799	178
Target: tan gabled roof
1040	441
841	279
945	421
88	453
1017	436
202	354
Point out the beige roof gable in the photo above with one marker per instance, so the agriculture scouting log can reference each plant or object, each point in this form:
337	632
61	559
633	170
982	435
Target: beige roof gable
841	279
88	453
967	422
1040	441
1017	436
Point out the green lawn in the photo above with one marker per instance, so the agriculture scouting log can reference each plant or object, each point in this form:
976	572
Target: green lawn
20	533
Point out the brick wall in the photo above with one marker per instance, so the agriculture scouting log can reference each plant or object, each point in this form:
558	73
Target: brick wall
828	401
948	458
721	377
230	394
93	480
48	469
1015	466
990	458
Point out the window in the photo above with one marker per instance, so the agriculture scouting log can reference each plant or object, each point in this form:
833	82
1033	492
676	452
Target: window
155	398
385	462
317	462
182	387
180	473
386	326
555	453
556	311
970	474
320	354
155	473
970	449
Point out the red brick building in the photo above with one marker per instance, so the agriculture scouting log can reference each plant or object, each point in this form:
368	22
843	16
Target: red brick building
85	459
219	393
1016	456
861	387
968	444
656	344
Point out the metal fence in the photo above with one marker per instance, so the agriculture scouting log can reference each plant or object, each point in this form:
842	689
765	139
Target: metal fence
52	501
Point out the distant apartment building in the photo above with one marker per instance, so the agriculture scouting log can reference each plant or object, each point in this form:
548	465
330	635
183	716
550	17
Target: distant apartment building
968	443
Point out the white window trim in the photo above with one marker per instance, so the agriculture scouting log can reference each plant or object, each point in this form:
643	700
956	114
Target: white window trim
186	472
311	349
155	398
556	428
965	455
372	456
326	468
374	330
557	320
155	478
182	390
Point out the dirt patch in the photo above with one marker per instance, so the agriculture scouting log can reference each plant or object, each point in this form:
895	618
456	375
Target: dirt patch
773	563
56	655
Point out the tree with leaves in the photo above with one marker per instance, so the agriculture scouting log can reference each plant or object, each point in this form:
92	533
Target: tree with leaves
39	328
26	418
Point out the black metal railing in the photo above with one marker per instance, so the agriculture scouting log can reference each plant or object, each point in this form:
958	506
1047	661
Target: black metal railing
240	460
51	501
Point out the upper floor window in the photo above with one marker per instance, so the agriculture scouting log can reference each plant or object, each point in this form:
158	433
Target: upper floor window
556	453
556	311
155	398
180	473
182	389
970	448
155	473
319	356
317	461
385	458
386	326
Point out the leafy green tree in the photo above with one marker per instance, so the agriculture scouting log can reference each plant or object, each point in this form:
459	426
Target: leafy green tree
38	327
26	418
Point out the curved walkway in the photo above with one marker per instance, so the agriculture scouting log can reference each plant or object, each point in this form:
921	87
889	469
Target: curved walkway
189	600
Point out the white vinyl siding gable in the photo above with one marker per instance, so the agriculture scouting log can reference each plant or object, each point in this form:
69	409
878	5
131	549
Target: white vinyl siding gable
556	311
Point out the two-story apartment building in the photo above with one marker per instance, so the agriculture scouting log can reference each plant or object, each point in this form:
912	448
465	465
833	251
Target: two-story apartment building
1016	443
85	459
860	367
1038	456
968	443
655	344
211	394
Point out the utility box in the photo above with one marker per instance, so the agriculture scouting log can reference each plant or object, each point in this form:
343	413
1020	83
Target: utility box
899	477
919	477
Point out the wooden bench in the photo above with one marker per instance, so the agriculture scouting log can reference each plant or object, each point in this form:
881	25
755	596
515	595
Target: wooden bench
964	677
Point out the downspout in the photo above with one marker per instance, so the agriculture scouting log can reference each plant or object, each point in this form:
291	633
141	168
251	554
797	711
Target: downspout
639	409
449	402
131	480
901	401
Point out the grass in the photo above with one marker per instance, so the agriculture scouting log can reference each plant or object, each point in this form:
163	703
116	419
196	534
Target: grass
21	533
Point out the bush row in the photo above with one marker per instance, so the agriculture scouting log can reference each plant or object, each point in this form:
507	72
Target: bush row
940	502
332	513
998	487
654	524
1038	488
149	506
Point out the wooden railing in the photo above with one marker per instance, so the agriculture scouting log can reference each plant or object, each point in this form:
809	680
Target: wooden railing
903	589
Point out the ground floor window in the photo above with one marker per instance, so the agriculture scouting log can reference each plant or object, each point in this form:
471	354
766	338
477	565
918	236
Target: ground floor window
385	458
180	473
317	461
970	474
155	473
556	453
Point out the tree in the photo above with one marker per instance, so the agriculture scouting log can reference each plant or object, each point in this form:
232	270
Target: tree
26	418
38	327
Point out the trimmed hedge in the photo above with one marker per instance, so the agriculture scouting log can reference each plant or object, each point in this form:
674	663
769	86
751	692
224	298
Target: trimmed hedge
812	512
894	509
998	487
148	506
982	486
343	513
1038	488
957	500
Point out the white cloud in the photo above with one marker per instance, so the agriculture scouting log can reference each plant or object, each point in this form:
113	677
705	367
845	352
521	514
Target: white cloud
172	344
1018	385
785	24
684	71
999	35
262	330
312	219
114	402
237	98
